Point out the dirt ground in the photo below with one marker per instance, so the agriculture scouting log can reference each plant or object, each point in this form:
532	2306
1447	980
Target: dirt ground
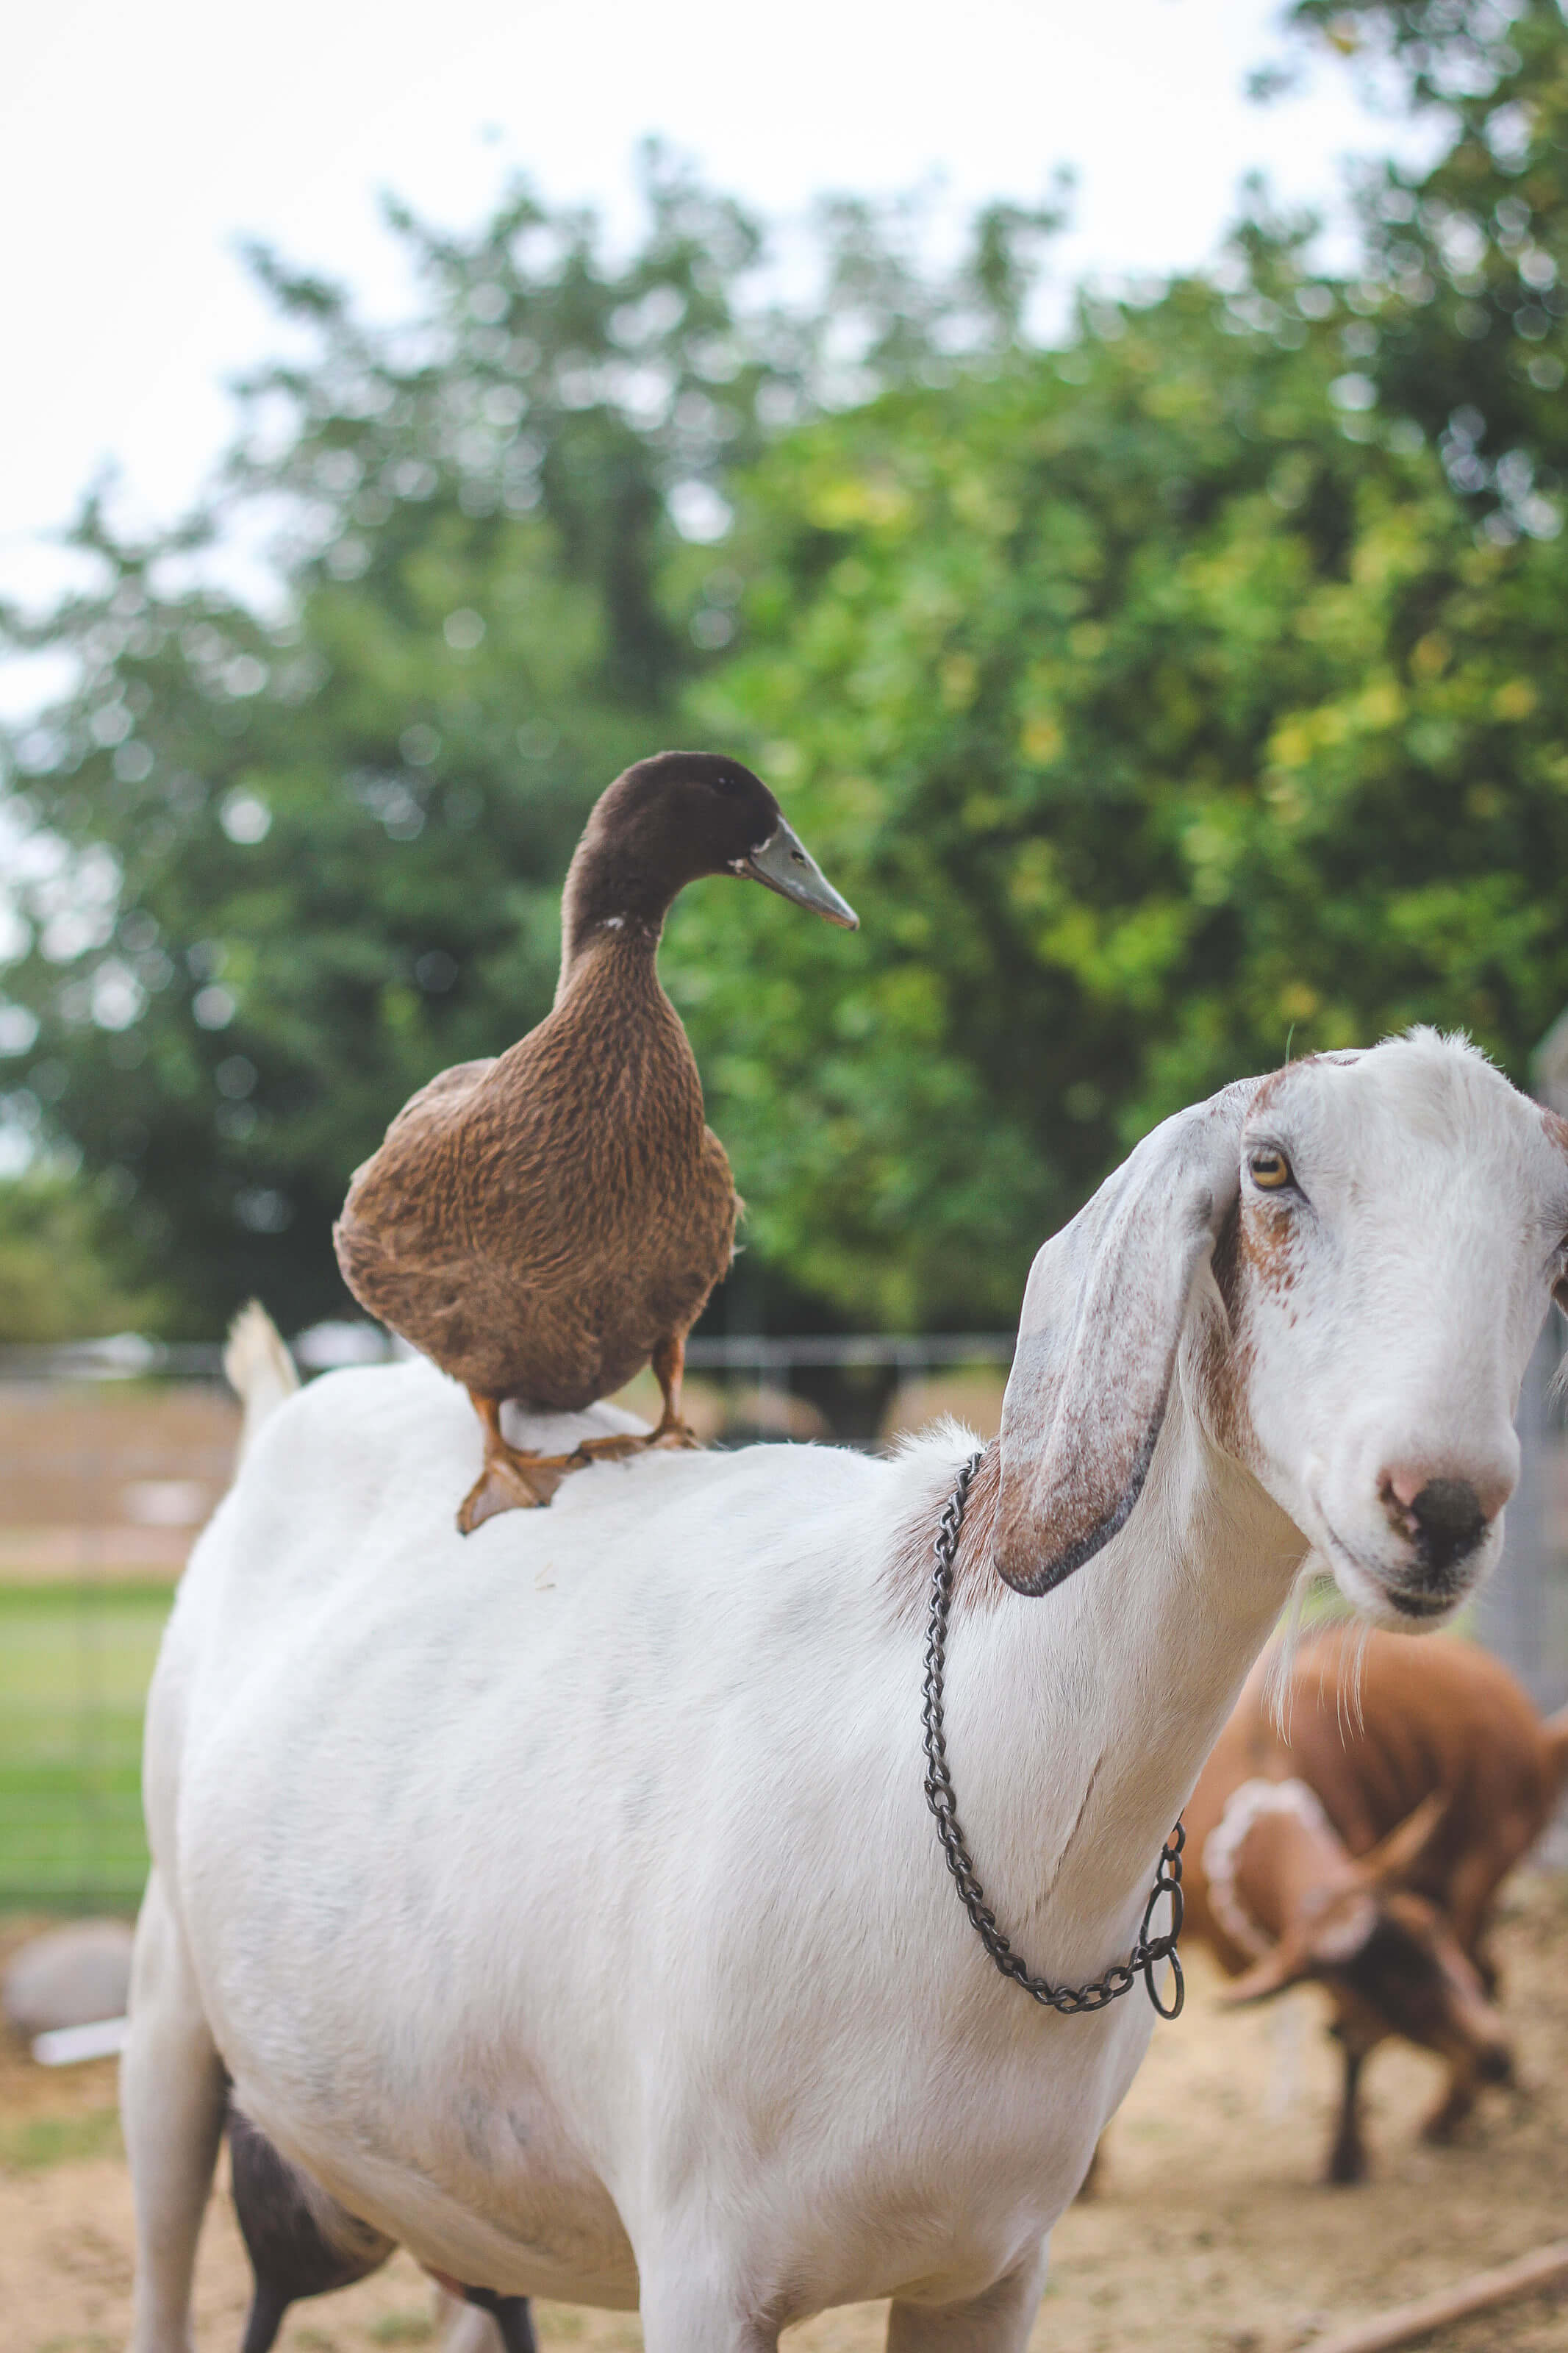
1210	2233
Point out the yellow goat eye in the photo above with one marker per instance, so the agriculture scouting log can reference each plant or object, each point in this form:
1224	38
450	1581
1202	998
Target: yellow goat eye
1270	1169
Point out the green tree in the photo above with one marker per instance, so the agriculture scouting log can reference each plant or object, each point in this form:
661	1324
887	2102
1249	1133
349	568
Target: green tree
1158	705
1165	700
1198	693
1467	310
58	1277
279	867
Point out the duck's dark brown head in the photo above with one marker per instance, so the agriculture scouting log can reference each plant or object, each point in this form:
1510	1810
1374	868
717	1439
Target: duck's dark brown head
672	819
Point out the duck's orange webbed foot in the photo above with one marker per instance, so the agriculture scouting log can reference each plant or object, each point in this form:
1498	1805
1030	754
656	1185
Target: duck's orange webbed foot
513	1481
510	1480
613	1449
672	1430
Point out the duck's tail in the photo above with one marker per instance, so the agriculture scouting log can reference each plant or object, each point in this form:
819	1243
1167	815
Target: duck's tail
260	1371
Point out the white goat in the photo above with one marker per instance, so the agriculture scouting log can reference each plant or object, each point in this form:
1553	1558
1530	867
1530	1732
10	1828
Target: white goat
565	1901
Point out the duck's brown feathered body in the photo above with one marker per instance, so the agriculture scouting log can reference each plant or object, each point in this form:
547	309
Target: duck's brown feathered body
539	1223
545	1224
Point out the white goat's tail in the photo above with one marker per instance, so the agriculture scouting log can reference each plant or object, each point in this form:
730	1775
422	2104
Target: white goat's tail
260	1371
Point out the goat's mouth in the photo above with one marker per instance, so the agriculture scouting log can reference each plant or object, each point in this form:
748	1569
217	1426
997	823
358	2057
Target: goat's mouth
1419	1604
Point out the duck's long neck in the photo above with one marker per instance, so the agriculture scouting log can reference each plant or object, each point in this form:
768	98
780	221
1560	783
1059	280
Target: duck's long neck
1079	1722
609	899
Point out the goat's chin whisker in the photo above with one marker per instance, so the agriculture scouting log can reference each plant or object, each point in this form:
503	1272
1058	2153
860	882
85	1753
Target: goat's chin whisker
1361	1634
1287	1642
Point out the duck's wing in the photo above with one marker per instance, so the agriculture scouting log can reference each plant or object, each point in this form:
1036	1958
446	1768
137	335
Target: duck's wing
429	1117
402	1211
423	1242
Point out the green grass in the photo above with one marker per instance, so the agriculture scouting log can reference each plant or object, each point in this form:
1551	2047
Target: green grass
403	2328
42	2141
75	1661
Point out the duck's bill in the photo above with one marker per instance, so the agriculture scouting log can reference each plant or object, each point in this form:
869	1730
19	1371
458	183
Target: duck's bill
787	866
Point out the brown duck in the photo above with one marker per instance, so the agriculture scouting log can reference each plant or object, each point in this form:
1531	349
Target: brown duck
546	1223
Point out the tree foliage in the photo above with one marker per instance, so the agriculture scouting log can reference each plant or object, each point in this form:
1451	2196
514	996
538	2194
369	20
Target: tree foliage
57	1276
276	870
1164	702
1154	719
1192	695
1464	267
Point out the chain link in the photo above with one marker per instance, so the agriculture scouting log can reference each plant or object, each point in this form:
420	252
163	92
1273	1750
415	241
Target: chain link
943	1799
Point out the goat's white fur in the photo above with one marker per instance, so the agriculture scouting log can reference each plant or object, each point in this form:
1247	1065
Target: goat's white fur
566	1899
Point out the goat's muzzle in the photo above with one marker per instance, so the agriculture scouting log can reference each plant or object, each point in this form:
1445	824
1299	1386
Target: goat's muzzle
1442	1516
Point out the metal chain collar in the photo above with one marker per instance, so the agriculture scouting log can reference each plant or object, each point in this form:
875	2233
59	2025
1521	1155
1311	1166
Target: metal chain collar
943	1799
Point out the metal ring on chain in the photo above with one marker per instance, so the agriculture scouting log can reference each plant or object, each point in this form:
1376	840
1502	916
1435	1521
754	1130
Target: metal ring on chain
943	1799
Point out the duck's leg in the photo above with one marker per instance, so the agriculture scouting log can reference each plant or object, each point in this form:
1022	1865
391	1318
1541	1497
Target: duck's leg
511	1480
514	1482
669	1371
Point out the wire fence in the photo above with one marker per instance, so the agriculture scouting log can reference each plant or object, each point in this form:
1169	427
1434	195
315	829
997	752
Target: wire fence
113	1455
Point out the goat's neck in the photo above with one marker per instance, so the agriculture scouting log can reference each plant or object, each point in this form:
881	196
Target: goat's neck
1079	1722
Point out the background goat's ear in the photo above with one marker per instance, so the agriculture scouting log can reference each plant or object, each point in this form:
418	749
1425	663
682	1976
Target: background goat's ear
1097	1343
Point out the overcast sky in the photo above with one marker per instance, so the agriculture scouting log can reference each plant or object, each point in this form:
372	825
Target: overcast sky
138	143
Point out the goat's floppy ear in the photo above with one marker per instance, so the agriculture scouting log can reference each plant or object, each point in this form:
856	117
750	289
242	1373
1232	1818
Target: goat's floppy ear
1097	1343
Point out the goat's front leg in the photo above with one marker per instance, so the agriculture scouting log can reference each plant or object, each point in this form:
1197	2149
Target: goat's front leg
1458	2101
699	2317
696	2296
463	2327
172	2094
1347	2158
997	2322
509	2318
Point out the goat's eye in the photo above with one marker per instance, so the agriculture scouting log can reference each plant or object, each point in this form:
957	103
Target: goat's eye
1269	1168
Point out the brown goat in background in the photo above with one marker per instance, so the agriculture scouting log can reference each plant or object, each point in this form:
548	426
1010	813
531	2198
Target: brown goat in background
1364	1847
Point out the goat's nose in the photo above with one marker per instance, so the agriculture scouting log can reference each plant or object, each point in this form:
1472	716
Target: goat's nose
1491	1485
1446	1517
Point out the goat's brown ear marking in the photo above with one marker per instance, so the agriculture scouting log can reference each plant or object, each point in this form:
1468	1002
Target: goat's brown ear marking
1073	1549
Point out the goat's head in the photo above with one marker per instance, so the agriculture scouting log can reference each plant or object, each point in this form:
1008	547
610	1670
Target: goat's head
1359	1249
1390	1957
